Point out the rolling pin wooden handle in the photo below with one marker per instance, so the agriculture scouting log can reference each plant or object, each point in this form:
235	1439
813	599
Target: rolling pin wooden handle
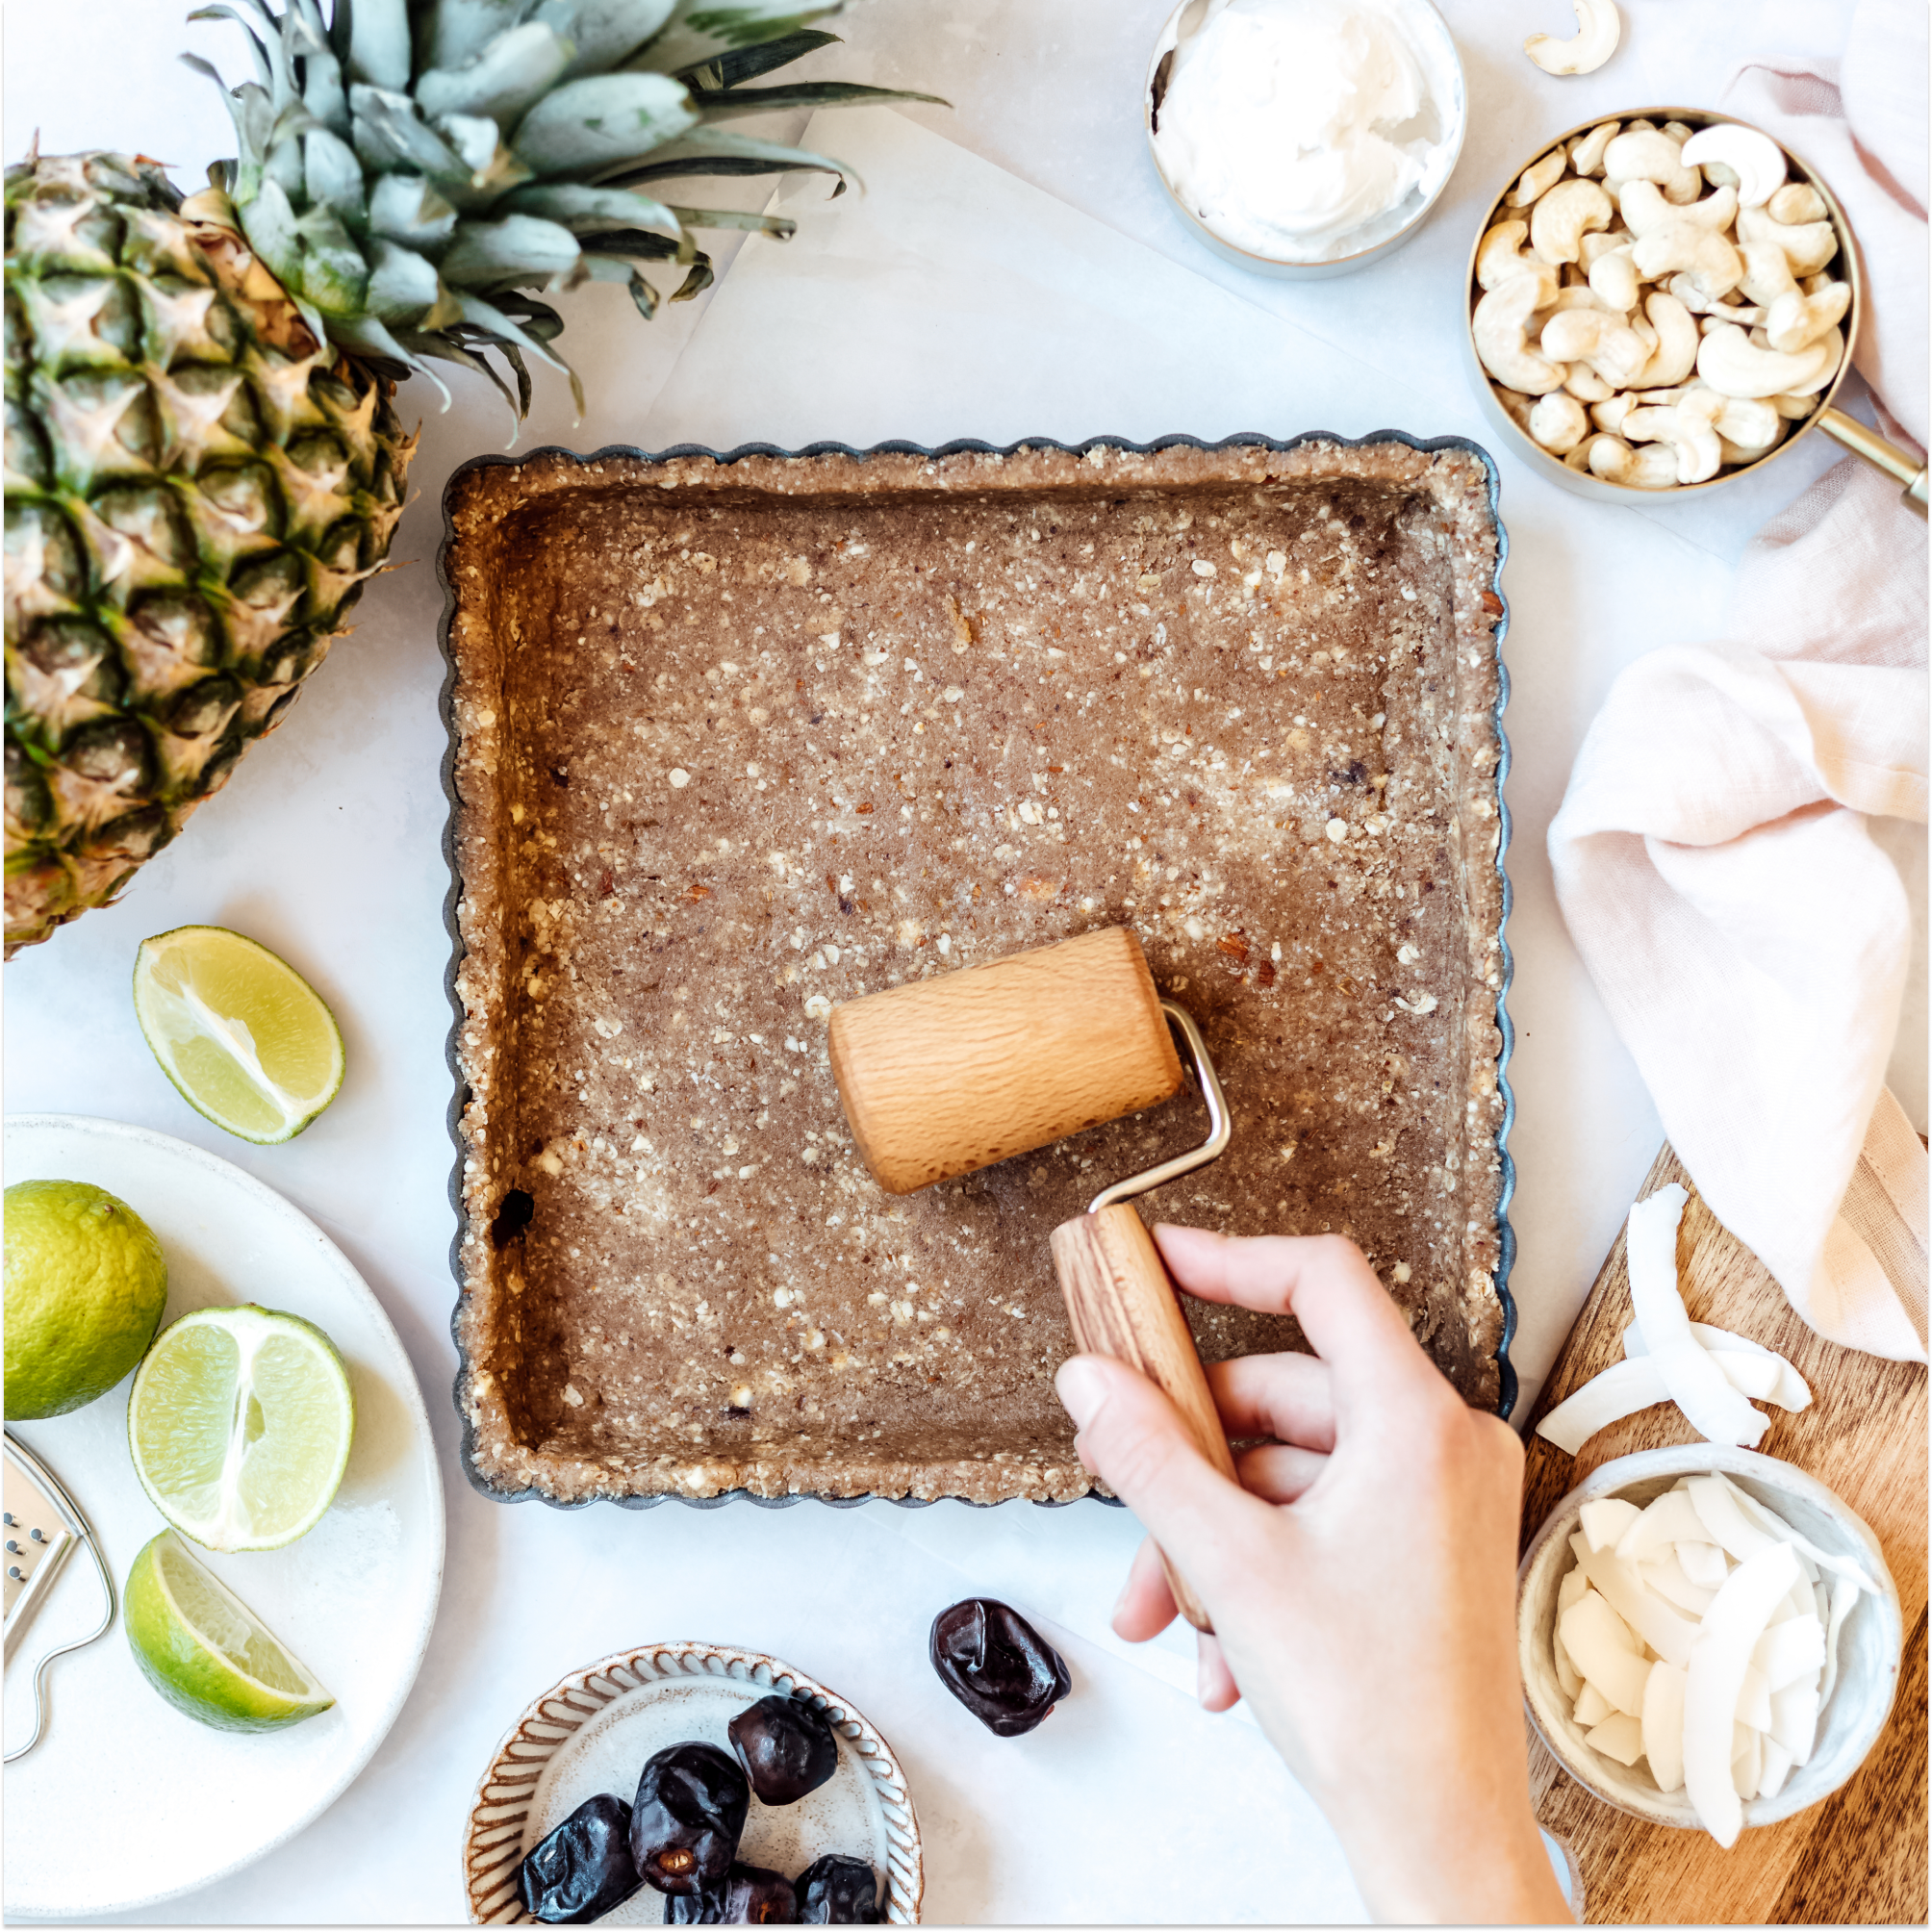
1122	1304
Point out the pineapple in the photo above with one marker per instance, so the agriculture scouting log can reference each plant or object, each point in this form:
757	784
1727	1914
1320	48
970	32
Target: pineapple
204	463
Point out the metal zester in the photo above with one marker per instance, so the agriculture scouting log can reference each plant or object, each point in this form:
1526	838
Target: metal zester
43	1527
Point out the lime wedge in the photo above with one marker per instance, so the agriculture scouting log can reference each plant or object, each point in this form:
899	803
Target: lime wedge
243	1036
239	1424
207	1652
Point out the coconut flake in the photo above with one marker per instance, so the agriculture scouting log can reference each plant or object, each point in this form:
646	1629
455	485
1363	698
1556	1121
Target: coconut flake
1703	1563
1665	1575
1794	1712
1669	1518
1717	1505
1777	1768
1653	1619
1775	1525
1719	1657
1789	1390
1754	1701
1788	1651
1663	1725
1592	1707
1843	1594
1605	1521
1604	1653
1695	1383
1622	1389
1618	1737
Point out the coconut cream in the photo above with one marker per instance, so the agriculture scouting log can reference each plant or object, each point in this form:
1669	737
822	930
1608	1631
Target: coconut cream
1307	129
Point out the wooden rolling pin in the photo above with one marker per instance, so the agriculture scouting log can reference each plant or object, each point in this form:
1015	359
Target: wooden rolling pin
951	1074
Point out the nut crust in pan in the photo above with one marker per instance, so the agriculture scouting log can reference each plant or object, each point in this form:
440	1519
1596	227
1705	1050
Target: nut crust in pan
735	740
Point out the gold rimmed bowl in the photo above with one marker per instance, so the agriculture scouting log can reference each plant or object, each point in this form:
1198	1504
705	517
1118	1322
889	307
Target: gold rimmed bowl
1847	264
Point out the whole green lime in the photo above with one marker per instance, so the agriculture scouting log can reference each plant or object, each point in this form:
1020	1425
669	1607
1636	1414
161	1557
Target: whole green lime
85	1285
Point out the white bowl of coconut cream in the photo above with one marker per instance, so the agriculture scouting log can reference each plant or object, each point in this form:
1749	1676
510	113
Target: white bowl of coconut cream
1305	138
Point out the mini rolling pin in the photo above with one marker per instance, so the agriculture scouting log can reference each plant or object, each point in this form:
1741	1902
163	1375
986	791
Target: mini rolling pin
951	1074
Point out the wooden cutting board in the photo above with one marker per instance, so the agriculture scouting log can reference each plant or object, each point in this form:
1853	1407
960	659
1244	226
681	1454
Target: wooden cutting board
1860	1857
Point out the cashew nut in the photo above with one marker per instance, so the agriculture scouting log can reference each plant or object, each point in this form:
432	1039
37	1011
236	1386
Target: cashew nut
1796	321
1601	243
1584	383
1560	217
1677	341
1608	414
1747	424
1558	421
1586	153
1499	330
1755	159
1613	277
1643	154
1796	203
1540	174
1687	425
1707	258
1605	342
1740	453
1807	246
1793	408
1832	342
1698	303
1575	295
1816	285
1654	467
1644	207
1732	365
1500	256
1766	275
1597	28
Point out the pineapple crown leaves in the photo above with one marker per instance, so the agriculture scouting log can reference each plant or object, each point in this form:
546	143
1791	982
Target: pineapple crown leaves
410	170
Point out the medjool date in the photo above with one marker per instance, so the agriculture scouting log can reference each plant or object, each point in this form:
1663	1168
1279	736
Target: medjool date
584	1868
997	1666
748	1895
786	1747
835	1891
687	1818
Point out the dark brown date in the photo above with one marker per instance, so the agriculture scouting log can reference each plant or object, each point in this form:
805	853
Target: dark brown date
997	1666
786	1747
687	1818
835	1891
584	1868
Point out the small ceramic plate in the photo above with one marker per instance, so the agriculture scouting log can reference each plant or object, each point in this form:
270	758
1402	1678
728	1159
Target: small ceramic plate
127	1802
592	1731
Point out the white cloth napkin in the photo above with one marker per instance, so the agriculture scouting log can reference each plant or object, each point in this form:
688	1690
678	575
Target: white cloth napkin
1712	855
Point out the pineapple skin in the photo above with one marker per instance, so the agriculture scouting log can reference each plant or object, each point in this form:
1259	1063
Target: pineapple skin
196	490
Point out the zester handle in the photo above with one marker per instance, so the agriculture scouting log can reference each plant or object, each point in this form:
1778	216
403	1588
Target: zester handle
1122	1304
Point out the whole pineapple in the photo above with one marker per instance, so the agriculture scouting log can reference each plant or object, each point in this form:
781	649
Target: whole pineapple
203	462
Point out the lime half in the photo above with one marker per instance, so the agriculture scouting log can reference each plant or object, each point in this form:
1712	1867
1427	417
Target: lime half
240	1425
85	1285
243	1036
207	1652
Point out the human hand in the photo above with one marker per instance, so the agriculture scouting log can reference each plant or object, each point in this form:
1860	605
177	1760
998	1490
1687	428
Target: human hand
1360	1579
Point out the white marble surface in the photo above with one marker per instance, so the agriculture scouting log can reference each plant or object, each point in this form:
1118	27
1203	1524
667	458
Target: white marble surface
1052	292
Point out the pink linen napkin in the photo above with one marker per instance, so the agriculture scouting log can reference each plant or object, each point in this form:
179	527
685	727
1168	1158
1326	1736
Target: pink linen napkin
1748	937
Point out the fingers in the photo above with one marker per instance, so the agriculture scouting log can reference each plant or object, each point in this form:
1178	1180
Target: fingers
1146	1606
1278	1473
1133	1436
1325	1284
1287	1398
1214	1683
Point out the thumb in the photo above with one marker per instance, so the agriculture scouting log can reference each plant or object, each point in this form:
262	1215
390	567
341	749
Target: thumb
1133	1437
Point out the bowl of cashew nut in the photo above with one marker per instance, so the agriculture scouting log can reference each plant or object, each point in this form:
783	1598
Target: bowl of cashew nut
1663	301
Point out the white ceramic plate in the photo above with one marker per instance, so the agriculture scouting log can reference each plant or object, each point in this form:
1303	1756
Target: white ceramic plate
126	1801
592	1731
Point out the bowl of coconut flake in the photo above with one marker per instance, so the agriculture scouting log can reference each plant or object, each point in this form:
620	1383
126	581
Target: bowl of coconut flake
1707	1638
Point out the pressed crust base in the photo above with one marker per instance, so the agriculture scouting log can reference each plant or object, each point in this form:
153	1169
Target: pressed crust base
739	741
